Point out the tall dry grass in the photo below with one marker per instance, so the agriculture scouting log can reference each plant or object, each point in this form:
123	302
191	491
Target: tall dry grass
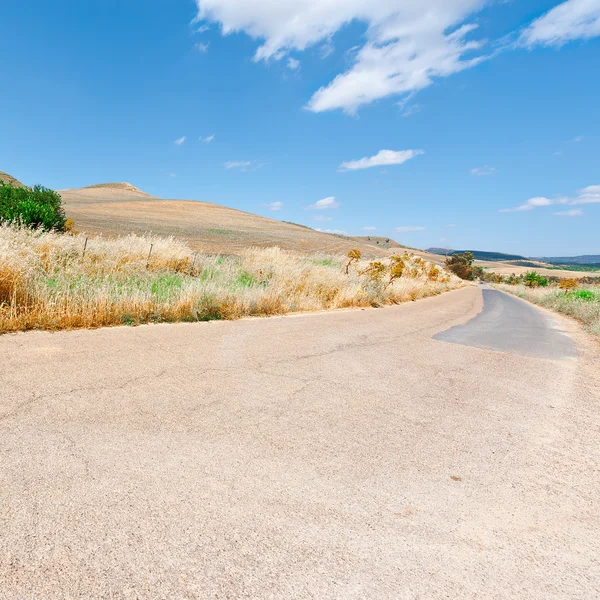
47	283
583	308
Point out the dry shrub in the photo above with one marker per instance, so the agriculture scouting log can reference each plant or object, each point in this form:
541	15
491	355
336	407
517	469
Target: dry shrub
46	282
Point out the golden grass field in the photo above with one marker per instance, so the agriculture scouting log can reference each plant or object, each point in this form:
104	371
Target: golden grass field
117	209
46	281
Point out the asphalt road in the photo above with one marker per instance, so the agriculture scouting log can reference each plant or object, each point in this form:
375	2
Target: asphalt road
508	324
336	455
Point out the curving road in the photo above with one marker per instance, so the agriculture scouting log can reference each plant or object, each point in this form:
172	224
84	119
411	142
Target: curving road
439	449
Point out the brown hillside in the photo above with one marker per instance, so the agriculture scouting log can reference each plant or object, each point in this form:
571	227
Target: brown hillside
117	209
6	178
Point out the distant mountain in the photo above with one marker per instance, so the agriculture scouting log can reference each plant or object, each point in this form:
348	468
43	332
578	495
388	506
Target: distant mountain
478	254
592	260
589	260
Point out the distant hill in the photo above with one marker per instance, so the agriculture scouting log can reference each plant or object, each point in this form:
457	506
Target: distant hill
592	260
6	178
478	254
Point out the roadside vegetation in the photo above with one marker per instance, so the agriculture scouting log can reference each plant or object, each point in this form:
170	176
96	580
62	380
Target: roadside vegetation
36	207
52	280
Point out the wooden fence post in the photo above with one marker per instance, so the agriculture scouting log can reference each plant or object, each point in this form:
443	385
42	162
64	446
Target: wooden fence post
149	254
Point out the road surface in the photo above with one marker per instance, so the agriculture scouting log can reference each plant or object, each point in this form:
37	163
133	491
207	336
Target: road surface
335	455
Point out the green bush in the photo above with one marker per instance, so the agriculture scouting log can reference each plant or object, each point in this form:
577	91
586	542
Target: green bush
586	295
532	279
36	207
461	265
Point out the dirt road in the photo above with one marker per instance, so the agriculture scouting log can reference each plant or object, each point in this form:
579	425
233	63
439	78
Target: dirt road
336	455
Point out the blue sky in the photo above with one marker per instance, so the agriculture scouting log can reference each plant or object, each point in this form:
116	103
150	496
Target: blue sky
460	123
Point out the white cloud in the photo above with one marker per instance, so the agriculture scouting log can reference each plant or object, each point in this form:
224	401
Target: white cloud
208	139
530	204
172	174
370	228
202	29
382	158
336	231
576	140
293	64
587	195
238	164
408	43
202	47
321	218
181	140
408	228
483	171
324	204
575	212
274	206
571	20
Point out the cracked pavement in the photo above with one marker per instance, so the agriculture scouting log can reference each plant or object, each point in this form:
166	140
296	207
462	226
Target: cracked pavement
332	455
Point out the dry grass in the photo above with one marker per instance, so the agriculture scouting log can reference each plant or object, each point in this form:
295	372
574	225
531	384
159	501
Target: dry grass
120	209
46	283
586	310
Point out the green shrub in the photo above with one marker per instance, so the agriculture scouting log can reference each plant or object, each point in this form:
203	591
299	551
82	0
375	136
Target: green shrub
36	207
586	295
461	265
533	279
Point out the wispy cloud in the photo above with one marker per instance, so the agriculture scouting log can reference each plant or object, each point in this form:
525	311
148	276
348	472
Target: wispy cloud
208	139
587	195
274	206
409	228
571	20
293	64
172	174
483	171
321	218
202	47
410	110
408	44
531	204
382	158
576	140
324	204
238	164
575	212
180	140
370	228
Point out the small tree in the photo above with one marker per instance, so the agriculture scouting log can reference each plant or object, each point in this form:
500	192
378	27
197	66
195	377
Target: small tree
461	264
396	270
354	256
32	207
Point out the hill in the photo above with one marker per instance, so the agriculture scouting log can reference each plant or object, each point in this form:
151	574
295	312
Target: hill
6	178
119	208
591	260
478	254
380	241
